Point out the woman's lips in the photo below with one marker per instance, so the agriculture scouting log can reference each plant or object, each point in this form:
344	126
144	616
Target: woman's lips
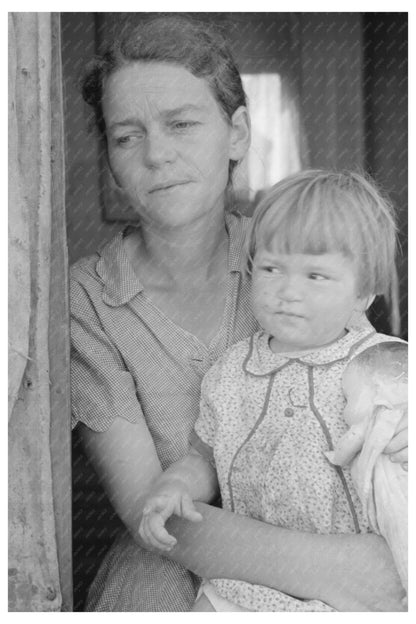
165	186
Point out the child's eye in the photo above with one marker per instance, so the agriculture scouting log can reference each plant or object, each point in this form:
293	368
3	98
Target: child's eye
273	270
317	277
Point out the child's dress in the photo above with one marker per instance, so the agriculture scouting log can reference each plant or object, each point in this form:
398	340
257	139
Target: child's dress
267	419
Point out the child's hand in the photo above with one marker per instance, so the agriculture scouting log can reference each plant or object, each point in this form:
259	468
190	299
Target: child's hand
168	499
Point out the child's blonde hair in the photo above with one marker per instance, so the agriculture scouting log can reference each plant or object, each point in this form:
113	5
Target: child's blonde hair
316	212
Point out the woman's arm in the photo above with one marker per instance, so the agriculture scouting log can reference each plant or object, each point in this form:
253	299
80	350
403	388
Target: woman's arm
349	572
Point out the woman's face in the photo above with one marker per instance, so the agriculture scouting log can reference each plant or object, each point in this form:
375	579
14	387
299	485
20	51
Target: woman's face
169	145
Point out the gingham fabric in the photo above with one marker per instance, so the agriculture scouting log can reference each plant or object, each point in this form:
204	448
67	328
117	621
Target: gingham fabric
129	360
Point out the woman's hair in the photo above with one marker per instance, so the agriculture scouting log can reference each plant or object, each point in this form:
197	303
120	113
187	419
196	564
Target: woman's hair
182	40
316	212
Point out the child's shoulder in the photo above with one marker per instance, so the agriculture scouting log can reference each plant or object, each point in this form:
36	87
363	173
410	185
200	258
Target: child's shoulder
376	339
230	363
236	353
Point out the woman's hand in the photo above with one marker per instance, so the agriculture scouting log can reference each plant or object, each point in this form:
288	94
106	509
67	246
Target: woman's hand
168	498
397	448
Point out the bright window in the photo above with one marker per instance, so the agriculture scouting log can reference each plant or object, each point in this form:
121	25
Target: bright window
275	144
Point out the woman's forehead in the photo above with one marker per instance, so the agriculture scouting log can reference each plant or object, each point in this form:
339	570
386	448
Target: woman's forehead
164	87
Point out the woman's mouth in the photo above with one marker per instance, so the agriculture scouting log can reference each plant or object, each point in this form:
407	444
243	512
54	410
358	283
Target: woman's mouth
167	186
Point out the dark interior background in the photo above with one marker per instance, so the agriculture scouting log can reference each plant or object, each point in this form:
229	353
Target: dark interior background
347	73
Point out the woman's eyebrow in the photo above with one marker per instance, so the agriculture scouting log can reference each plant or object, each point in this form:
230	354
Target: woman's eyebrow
186	108
172	112
129	121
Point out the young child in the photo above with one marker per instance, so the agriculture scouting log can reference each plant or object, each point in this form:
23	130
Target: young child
321	247
375	387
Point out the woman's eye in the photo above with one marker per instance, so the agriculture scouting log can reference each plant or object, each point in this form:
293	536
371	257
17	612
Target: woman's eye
183	125
128	140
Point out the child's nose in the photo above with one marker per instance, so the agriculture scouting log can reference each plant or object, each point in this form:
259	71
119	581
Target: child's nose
290	288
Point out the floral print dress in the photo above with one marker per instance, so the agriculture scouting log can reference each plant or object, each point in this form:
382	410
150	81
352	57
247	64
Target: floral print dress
266	420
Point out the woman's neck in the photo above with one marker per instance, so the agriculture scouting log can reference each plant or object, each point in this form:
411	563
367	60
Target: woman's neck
177	254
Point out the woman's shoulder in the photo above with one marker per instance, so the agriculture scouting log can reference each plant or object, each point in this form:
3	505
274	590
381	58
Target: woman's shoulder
91	276
238	219
96	265
83	267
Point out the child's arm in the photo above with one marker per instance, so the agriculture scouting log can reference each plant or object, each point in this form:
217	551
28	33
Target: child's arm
332	568
191	478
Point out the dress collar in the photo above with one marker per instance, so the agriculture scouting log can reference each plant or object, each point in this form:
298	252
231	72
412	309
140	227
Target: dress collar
121	283
261	360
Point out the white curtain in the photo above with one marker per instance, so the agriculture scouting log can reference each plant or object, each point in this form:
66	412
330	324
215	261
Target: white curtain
275	146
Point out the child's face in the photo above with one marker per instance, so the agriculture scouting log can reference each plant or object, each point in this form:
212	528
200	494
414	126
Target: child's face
304	301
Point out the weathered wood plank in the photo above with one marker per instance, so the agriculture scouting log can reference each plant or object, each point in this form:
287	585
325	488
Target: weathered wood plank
33	565
59	352
19	247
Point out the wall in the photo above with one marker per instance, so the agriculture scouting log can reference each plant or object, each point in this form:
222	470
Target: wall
386	124
85	226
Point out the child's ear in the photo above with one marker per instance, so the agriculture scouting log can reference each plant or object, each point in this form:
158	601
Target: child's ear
240	134
363	303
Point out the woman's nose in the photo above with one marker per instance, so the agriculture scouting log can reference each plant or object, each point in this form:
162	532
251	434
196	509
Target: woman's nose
159	149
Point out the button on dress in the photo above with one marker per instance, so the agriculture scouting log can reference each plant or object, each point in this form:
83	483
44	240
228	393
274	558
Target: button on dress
266	420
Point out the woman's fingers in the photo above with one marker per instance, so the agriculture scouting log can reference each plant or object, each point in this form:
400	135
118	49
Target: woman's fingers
401	437
397	447
400	458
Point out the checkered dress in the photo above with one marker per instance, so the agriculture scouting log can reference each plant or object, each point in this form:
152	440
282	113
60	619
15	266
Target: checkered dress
130	360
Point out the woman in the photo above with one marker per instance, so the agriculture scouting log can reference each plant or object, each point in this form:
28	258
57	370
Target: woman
157	306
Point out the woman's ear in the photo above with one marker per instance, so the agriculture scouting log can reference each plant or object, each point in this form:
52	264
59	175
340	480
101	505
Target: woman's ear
240	134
